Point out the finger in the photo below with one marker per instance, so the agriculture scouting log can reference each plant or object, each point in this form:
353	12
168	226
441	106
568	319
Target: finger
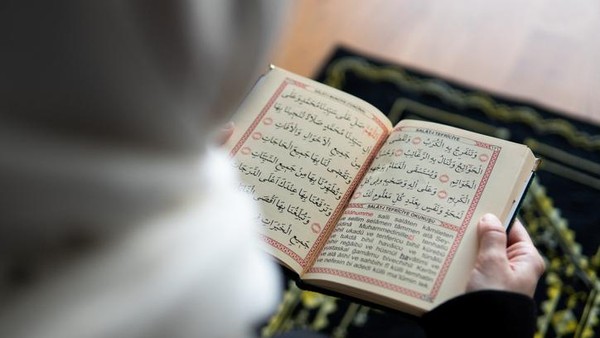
526	252
518	233
225	133
492	238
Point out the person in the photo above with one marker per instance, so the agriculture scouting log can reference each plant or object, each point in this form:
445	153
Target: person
121	216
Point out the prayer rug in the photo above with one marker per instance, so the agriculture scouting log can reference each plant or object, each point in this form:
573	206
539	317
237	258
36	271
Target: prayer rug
561	210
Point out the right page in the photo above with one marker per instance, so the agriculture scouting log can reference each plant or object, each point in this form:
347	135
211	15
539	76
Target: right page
407	240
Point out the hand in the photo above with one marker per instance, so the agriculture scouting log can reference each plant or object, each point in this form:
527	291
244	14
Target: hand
515	267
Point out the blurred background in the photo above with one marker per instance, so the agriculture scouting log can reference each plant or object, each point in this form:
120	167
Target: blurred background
545	51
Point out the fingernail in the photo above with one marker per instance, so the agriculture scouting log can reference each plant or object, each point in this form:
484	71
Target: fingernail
488	218
228	126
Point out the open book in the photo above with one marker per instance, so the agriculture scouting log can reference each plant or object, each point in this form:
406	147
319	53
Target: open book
355	205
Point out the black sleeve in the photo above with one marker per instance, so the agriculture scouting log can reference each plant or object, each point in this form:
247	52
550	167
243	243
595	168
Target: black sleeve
486	313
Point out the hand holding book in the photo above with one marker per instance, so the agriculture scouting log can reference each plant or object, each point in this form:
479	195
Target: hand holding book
352	204
509	264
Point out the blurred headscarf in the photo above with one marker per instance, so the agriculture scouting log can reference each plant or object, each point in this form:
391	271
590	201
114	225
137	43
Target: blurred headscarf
107	109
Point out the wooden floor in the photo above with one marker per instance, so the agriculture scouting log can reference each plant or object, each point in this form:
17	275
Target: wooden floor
545	51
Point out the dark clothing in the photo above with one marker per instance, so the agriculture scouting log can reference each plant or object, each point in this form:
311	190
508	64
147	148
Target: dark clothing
486	314
483	314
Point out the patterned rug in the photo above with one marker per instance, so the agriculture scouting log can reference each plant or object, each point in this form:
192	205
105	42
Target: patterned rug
561	209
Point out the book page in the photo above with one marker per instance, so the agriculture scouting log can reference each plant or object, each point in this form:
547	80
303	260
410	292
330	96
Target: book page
410	224
298	147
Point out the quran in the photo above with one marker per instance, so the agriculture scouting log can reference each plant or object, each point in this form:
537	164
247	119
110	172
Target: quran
360	207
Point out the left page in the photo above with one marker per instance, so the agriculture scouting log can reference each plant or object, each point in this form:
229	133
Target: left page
300	148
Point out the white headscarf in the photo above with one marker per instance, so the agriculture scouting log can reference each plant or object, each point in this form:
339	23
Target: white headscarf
111	204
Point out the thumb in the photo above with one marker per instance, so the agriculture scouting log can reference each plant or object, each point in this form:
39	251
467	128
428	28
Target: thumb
492	240
492	267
